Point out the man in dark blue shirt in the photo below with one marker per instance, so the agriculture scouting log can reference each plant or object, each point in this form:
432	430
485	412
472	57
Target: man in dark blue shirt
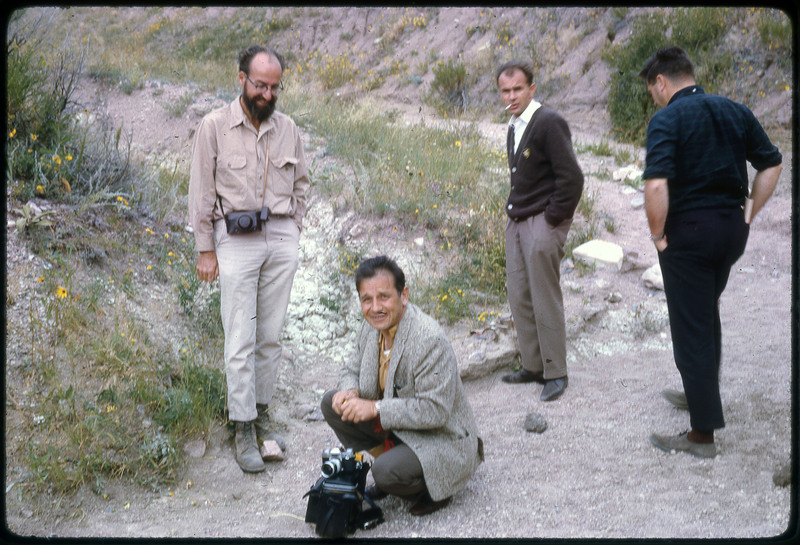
699	211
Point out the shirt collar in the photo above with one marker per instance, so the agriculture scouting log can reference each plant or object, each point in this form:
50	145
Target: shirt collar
685	92
525	116
391	333
238	117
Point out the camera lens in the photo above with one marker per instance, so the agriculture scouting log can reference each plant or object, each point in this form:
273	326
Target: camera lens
331	467
245	222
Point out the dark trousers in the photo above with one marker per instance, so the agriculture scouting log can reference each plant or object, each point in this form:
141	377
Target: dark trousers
396	471
702	247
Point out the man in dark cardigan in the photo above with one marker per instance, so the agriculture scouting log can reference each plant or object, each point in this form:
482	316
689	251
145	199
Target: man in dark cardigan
546	185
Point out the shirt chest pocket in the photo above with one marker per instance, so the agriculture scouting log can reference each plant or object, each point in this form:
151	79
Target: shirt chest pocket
282	174
231	170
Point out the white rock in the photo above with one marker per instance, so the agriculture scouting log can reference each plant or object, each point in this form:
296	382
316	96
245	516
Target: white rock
600	253
652	278
629	172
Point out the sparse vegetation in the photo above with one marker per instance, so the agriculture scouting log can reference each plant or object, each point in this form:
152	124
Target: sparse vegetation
110	397
721	68
450	87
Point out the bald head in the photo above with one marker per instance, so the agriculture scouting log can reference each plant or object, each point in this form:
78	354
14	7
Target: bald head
247	56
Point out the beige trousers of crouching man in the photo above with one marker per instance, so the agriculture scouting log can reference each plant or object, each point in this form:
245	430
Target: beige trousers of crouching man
256	271
534	250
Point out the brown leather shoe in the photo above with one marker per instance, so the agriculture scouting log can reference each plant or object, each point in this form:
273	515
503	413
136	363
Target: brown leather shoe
522	376
425	505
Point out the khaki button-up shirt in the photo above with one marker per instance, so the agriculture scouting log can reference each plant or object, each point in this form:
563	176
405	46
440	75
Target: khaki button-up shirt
228	161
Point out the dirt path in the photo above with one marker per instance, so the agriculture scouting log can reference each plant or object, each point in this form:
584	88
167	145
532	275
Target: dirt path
591	474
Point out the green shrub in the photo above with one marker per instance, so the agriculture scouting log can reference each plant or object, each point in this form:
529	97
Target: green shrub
697	30
450	86
52	151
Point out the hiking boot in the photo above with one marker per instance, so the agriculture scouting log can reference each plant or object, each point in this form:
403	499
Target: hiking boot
247	455
681	443
265	429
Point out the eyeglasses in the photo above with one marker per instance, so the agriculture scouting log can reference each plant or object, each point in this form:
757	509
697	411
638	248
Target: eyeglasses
260	87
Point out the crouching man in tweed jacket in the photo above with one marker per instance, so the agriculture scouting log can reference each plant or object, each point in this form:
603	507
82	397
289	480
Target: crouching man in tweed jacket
400	397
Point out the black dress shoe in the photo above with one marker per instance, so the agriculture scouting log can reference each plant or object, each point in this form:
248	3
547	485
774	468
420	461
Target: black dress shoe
375	493
554	388
425	505
523	376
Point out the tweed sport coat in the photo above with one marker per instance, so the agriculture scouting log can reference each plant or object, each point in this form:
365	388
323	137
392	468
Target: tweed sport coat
424	403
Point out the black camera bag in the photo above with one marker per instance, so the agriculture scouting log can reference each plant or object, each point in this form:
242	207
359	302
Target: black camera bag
334	504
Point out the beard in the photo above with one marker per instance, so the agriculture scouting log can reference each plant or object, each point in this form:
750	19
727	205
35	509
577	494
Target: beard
259	109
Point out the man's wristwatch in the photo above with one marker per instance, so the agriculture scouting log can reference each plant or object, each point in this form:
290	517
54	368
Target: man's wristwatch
378	407
656	239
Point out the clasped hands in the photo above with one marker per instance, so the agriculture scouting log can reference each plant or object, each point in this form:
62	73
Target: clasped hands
353	408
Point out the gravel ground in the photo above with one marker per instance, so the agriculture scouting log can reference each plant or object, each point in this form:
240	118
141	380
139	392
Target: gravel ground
591	474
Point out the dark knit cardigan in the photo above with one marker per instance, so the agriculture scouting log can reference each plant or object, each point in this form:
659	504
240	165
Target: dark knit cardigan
545	175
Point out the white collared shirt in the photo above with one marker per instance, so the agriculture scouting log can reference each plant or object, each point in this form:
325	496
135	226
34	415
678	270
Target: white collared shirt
520	122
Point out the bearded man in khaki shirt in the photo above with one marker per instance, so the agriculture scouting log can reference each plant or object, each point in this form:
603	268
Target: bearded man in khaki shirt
248	156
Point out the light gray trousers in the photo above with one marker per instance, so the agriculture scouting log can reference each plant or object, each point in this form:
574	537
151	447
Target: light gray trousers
256	272
534	251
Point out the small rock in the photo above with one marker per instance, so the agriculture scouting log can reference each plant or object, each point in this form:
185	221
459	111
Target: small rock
305	409
637	202
631	261
614	297
535	422
652	278
629	172
271	451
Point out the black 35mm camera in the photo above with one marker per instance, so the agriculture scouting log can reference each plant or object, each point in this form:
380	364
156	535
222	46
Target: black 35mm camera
334	502
239	223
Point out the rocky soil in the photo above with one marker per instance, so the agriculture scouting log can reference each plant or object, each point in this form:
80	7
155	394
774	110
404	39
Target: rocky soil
592	473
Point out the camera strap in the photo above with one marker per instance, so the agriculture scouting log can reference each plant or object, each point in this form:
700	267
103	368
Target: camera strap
369	518
266	169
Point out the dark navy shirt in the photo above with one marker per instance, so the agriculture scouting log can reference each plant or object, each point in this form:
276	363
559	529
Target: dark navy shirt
700	143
